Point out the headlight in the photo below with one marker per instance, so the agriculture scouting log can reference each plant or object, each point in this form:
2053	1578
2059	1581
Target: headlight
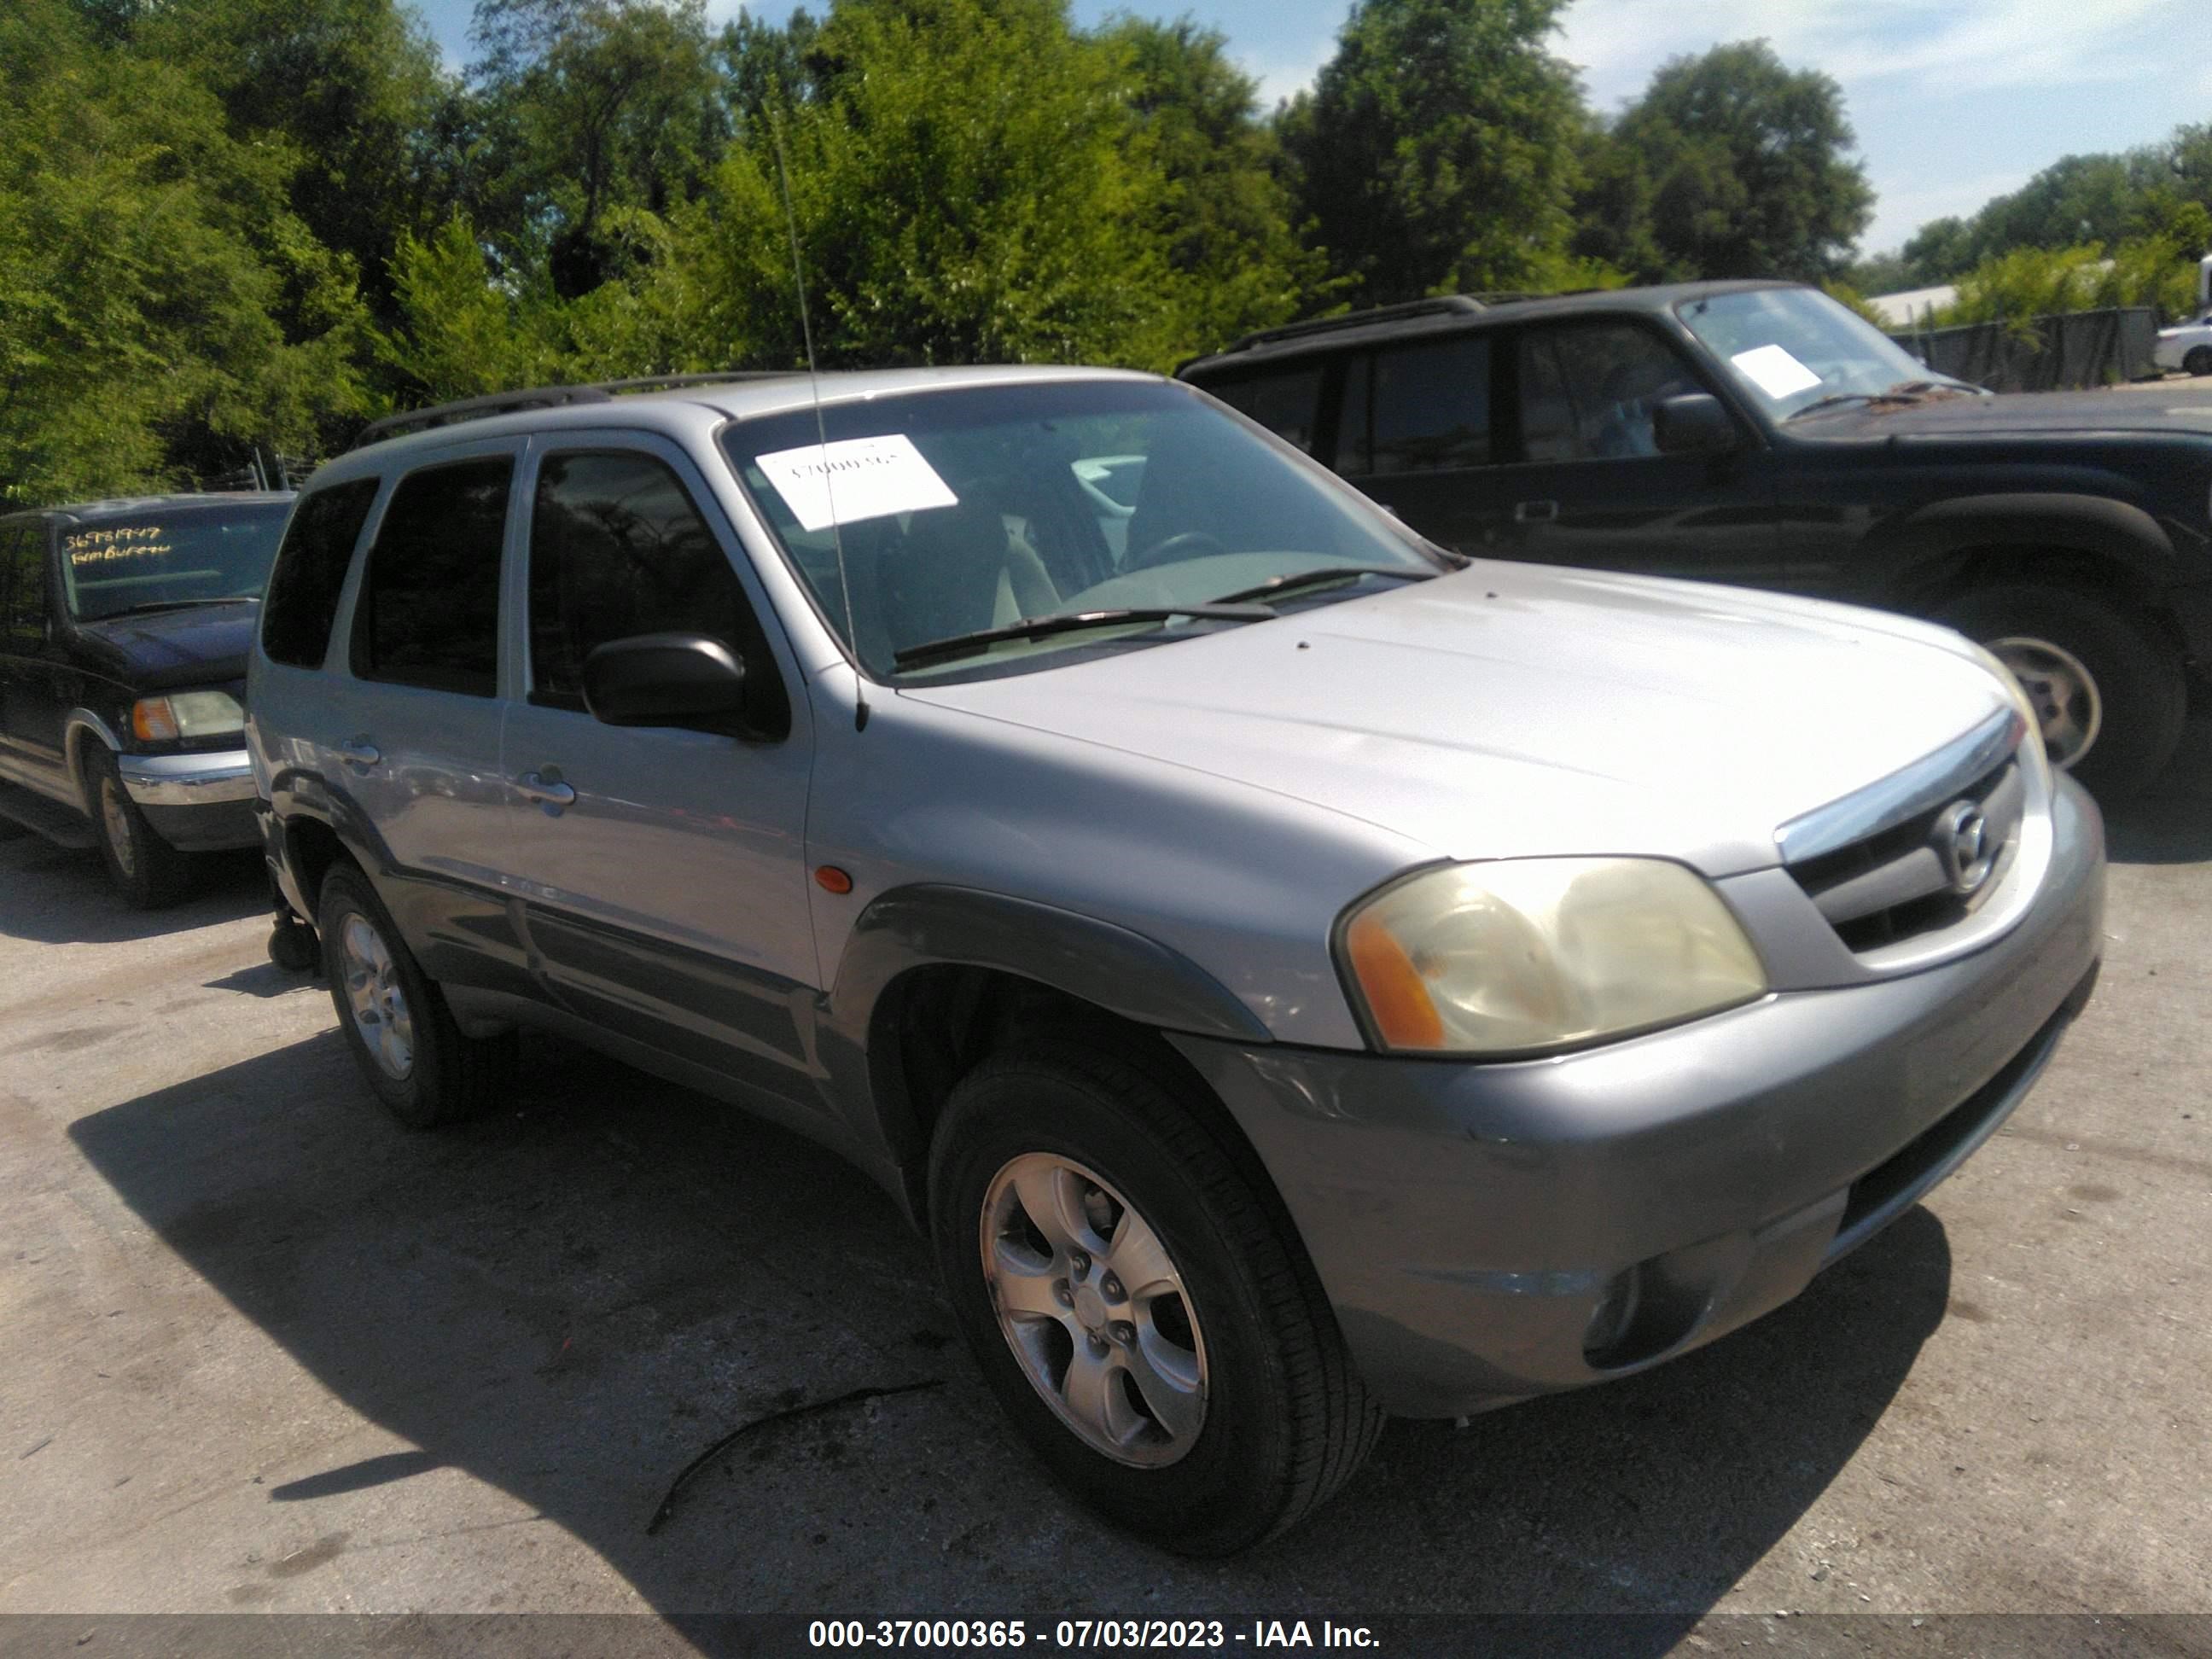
187	714
1518	955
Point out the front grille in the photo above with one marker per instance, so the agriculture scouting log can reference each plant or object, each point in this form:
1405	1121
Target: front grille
1895	884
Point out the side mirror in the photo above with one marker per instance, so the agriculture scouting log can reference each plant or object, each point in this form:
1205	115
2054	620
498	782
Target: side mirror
664	679
1691	423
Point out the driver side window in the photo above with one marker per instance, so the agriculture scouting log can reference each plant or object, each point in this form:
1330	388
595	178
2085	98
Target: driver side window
1587	392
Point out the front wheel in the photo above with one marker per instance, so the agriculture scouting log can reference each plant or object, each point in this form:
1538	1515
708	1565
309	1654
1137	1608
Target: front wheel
145	869
2109	694
1155	1337
2199	360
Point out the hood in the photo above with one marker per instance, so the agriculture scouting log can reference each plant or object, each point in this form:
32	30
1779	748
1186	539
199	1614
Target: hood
2079	413
1516	710
163	649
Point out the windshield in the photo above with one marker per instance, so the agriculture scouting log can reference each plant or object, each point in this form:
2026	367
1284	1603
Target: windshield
1791	348
186	556
968	510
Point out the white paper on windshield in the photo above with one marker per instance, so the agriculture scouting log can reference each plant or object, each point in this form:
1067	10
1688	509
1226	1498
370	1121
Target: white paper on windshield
854	479
1774	371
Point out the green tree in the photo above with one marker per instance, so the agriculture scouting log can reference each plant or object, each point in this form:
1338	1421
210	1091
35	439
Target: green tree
353	89
1437	150
590	108
1224	214
966	190
163	304
1750	167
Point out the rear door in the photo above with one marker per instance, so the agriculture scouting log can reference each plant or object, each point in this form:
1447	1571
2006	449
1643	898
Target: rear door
412	751
662	868
1415	431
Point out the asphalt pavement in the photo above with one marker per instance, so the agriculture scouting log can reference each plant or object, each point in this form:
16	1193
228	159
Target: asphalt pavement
266	1352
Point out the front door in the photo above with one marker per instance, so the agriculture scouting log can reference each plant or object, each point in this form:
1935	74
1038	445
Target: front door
662	868
1585	482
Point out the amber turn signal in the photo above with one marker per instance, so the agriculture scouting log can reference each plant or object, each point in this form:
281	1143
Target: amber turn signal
831	879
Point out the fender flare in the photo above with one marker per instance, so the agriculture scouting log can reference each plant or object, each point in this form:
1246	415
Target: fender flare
905	930
1912	553
75	726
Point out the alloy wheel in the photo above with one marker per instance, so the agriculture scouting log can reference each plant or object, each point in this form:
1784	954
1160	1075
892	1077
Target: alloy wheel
2063	691
377	998
1094	1309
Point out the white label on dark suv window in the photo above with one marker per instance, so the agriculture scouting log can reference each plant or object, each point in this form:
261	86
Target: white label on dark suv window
1774	371
856	478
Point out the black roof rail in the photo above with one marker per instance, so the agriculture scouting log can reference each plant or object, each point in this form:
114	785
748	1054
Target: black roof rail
1445	305
543	396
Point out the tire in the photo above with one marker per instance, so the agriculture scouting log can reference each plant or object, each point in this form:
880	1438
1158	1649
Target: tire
2198	360
421	1065
2132	694
143	868
1270	1419
293	947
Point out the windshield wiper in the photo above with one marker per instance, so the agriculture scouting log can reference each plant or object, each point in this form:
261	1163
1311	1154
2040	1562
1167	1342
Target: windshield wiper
1276	585
1905	392
146	607
1034	627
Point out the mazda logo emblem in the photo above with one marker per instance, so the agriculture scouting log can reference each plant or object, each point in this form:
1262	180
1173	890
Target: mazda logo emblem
1962	841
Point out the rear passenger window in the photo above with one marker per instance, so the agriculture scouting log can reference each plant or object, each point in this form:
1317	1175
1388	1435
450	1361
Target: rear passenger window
1432	406
617	547
23	578
311	568
1287	403
428	611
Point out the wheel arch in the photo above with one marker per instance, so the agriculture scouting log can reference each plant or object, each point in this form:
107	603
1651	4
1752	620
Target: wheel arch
79	727
934	977
1937	554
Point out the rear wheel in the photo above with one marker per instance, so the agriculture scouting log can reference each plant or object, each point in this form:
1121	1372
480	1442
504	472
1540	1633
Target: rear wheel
2199	360
422	1066
145	869
2109	694
1158	1340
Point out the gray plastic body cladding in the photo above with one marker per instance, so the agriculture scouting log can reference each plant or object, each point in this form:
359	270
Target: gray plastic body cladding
1465	1220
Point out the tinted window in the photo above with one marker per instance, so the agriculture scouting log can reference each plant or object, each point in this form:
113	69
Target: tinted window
1432	406
311	568
428	611
1547	408
1284	403
617	547
184	555
1607	376
19	584
1353	455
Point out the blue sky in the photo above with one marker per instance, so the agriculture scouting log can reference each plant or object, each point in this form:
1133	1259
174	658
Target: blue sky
1954	100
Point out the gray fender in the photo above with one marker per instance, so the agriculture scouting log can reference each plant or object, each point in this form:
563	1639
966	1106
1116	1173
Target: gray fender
927	925
1911	555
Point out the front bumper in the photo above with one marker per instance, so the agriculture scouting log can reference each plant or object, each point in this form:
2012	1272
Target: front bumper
1471	1223
196	802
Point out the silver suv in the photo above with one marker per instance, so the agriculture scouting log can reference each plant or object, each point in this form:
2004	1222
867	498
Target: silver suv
1290	975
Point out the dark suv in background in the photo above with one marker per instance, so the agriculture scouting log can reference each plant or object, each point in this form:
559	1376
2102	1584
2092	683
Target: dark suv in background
1759	433
124	628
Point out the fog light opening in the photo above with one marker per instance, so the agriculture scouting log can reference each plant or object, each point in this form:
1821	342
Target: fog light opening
1615	1315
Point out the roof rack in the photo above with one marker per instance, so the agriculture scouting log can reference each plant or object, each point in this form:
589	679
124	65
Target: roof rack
543	396
1446	304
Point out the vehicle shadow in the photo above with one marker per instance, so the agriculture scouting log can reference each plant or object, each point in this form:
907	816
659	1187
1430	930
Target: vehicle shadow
52	894
573	1298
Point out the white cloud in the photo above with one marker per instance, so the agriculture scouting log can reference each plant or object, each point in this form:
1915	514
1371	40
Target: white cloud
1935	44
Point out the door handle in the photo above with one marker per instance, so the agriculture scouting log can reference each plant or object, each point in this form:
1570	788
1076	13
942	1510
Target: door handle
359	751
1535	512
545	789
